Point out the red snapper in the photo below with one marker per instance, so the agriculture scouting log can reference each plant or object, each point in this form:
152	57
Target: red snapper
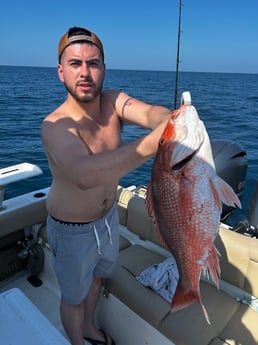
184	198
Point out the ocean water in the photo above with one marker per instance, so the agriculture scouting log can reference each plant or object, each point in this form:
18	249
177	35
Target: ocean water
227	103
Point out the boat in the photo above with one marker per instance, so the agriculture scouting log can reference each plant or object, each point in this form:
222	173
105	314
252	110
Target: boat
131	312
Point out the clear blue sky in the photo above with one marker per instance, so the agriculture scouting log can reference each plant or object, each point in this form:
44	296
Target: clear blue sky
218	35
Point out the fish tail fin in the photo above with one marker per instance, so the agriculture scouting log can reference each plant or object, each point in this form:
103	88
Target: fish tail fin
183	299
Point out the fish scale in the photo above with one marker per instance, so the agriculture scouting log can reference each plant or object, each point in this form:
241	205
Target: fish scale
184	198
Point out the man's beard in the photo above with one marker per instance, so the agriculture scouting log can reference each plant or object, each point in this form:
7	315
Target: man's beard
85	98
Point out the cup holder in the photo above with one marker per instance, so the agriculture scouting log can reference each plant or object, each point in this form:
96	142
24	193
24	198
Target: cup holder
39	195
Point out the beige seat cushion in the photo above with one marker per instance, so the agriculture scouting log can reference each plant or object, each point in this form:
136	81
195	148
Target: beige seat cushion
243	327
188	326
239	260
146	303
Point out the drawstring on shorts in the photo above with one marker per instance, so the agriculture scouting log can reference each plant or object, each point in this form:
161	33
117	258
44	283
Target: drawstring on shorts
97	236
97	239
109	231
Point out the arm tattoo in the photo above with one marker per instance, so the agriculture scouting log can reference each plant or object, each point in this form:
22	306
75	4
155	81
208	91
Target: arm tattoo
126	103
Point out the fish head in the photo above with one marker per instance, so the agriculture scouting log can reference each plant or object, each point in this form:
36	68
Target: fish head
182	137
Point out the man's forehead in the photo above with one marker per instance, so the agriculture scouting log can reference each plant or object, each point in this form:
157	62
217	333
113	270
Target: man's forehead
83	49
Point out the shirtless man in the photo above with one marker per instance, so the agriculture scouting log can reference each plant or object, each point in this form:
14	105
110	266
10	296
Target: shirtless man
82	140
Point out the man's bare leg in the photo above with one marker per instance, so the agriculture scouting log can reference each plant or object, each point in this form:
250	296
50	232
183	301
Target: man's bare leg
79	320
72	317
90	303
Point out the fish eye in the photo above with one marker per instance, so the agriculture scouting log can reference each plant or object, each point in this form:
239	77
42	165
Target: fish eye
162	141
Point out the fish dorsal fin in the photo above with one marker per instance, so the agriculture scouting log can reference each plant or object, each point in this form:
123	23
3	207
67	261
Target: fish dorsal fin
149	204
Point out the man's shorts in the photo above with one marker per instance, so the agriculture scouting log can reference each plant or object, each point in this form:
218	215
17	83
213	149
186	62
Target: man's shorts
81	251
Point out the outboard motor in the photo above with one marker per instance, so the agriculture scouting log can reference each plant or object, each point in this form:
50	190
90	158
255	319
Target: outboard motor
249	226
252	212
231	165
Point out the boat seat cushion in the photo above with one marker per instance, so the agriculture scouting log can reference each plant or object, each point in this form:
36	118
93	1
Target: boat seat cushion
242	328
155	310
188	326
143	301
122	198
139	222
238	260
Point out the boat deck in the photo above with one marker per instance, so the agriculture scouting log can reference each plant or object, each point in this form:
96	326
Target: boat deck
45	297
110	311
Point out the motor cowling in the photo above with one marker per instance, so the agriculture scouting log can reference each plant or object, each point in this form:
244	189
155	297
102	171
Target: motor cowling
231	165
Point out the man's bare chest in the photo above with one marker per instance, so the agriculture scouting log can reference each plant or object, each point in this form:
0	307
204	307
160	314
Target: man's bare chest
99	138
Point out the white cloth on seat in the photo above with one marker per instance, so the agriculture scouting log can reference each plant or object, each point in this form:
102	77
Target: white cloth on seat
162	278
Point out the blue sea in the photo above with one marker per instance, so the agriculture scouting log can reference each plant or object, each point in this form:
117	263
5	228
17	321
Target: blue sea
227	103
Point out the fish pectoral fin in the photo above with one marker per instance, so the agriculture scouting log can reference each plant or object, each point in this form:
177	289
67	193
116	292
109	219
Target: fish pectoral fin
223	192
216	195
181	155
180	164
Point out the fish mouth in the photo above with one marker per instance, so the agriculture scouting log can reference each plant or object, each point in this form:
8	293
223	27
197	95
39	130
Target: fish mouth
185	161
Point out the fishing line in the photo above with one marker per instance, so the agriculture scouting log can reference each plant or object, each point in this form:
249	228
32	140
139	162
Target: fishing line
178	52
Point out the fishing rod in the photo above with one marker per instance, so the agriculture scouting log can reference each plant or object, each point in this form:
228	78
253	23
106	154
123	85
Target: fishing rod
178	52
